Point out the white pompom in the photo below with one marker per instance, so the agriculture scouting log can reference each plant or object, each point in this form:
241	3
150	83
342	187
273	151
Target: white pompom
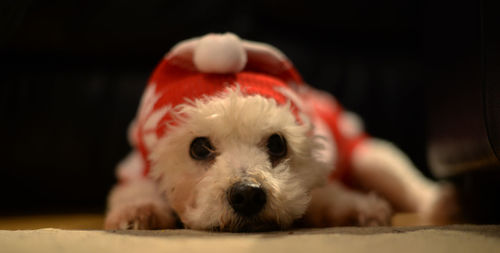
220	54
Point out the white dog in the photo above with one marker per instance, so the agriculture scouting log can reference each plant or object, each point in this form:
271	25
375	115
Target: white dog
229	138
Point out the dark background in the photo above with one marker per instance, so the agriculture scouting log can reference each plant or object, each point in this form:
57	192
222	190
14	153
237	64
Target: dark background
72	73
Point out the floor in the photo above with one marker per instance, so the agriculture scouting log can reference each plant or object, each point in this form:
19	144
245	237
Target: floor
456	239
95	221
74	233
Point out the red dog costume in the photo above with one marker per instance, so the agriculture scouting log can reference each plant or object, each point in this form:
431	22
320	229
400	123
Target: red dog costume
209	65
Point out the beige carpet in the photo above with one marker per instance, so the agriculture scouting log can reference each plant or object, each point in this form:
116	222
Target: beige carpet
458	238
95	221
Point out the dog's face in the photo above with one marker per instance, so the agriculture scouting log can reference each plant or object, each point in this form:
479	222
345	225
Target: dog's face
237	163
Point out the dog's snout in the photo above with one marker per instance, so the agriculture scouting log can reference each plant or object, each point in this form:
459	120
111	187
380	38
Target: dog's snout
246	199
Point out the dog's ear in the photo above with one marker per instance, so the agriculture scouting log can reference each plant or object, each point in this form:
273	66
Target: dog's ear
181	54
265	58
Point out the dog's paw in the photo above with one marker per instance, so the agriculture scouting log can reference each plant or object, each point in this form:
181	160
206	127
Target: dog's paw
140	216
444	207
374	211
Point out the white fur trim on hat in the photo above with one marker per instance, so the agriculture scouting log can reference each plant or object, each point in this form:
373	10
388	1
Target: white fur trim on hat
220	54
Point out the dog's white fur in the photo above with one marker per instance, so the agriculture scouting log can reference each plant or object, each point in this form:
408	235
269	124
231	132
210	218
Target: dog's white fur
238	126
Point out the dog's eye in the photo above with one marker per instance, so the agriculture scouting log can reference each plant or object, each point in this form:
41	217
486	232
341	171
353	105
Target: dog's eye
276	147
201	149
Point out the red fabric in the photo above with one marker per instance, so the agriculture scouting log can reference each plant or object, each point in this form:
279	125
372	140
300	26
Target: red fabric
330	111
175	83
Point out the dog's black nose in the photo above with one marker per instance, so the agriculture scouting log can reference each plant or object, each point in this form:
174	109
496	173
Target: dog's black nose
246	199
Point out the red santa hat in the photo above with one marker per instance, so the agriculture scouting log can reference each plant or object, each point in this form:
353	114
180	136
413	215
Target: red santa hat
206	66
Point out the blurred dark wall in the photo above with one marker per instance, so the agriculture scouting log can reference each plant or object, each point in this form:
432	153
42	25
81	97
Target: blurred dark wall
72	73
462	72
